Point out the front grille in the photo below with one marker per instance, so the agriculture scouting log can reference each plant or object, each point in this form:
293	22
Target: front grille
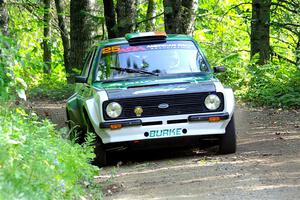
178	104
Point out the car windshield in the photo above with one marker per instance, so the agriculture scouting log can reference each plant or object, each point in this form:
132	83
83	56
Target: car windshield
171	57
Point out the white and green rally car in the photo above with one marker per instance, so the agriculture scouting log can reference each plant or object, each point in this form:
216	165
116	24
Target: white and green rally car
148	89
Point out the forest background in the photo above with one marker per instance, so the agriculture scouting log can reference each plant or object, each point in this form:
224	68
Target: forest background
43	44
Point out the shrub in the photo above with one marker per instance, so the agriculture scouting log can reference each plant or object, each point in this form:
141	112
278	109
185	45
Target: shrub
276	85
37	163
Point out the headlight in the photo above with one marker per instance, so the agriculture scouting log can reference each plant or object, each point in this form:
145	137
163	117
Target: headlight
113	110
212	102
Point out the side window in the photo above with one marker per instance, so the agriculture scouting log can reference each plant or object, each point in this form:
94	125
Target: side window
87	63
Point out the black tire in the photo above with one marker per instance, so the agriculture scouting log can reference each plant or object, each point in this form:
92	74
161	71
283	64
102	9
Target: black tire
228	140
99	150
75	132
100	159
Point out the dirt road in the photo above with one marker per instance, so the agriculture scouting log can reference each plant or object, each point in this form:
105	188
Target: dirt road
266	165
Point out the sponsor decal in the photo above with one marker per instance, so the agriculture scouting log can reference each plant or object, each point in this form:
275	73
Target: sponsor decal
165	132
119	49
170	46
126	49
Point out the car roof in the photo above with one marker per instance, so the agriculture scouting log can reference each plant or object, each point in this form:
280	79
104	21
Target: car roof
122	40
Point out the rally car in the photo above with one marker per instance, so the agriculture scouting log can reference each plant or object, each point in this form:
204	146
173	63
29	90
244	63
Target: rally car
149	89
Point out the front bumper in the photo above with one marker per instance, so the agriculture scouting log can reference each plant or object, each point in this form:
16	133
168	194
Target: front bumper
139	122
164	127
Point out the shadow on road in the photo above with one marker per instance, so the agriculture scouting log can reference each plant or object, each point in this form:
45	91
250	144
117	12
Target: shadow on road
132	157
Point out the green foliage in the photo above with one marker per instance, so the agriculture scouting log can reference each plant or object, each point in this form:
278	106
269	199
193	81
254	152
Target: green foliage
10	60
15	73
223	31
21	62
274	85
142	16
36	163
26	52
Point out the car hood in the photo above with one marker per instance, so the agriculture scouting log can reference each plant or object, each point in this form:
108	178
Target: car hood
155	86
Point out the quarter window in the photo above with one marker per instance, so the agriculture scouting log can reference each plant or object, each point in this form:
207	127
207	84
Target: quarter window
87	64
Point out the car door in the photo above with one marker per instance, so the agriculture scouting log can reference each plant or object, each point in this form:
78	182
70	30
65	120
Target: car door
84	89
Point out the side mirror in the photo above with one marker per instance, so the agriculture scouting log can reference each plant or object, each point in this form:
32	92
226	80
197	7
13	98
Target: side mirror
219	69
80	79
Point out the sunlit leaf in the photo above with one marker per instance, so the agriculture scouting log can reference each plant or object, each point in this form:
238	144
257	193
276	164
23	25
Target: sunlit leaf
21	93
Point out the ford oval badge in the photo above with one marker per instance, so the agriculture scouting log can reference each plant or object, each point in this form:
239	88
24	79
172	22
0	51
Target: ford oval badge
163	106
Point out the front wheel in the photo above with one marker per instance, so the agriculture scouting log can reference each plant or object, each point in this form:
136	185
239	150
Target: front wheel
228	140
100	159
76	133
99	150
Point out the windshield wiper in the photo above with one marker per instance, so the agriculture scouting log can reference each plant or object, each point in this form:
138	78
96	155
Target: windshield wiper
128	70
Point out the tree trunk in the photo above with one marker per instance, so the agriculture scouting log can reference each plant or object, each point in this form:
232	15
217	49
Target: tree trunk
3	30
260	30
297	52
188	16
172	15
151	11
64	36
3	18
126	16
47	37
180	16
81	32
110	18
120	18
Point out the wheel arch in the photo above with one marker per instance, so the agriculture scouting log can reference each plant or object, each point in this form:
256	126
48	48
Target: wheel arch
229	100
90	123
86	118
73	111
